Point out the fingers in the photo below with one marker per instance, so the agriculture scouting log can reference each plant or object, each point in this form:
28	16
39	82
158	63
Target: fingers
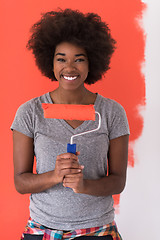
67	164
68	156
68	161
74	181
66	172
68	167
77	153
72	177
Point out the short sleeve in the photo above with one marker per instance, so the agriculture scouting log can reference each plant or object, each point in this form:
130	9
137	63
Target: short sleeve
23	121
118	123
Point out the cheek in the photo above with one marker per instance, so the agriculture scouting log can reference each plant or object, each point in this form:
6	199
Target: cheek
84	68
86	74
85	71
56	69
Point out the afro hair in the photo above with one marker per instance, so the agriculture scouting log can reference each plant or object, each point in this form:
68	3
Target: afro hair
84	30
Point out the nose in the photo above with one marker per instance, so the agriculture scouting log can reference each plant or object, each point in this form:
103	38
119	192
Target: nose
70	65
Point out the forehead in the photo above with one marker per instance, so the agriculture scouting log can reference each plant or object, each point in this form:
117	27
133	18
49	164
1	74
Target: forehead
69	48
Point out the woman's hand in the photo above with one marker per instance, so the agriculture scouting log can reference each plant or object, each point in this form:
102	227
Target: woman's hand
28	182
108	185
75	181
66	165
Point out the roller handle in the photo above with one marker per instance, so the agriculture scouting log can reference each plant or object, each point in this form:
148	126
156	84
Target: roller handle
71	148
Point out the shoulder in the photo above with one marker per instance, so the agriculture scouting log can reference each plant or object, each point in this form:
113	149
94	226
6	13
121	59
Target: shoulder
115	116
32	104
110	105
26	115
31	108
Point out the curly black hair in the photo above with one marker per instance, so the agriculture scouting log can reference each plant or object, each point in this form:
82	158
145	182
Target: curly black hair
84	30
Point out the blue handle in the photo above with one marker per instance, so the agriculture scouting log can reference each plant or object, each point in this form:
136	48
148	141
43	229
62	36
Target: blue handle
71	148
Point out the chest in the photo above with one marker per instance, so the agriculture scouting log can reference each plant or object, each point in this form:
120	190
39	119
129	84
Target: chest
74	123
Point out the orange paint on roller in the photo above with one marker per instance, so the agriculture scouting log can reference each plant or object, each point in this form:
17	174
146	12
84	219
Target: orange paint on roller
69	111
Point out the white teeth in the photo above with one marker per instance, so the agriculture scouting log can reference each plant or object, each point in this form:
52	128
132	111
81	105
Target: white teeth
70	78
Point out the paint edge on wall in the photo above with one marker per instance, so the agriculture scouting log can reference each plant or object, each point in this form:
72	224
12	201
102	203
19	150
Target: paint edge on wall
132	158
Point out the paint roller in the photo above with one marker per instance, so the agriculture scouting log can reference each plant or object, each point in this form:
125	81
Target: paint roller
71	112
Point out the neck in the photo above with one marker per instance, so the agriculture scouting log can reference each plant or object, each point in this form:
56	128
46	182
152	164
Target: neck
63	96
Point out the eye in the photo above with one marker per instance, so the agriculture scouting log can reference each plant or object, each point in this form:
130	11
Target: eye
60	59
80	60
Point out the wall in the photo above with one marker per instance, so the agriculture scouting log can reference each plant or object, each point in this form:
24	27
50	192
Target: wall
137	210
139	206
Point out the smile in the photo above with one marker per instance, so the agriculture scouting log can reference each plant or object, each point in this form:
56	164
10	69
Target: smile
70	78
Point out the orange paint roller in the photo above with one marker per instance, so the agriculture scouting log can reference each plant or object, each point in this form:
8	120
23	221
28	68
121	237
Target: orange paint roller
71	112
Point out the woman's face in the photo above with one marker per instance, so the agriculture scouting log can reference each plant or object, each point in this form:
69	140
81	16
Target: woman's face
70	65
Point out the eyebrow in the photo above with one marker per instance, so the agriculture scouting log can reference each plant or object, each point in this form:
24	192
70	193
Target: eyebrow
76	55
81	54
62	54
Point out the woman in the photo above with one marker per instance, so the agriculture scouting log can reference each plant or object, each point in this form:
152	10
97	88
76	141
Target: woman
71	195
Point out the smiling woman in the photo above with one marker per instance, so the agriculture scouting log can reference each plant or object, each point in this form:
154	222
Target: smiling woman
71	194
70	66
84	30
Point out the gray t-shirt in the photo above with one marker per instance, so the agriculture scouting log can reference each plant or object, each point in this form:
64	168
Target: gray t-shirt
59	207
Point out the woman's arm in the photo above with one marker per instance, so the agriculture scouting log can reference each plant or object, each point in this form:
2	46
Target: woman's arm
23	158
114	183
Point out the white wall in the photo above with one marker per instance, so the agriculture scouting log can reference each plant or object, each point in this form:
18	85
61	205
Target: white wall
139	217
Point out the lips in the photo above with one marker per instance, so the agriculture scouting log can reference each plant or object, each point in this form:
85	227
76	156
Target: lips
70	77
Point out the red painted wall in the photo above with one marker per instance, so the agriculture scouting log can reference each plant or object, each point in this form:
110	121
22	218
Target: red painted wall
21	81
